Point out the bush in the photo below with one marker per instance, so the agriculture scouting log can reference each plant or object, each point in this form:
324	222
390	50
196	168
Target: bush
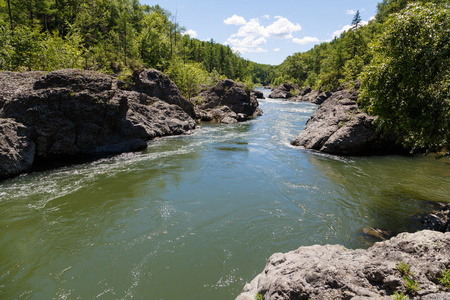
407	83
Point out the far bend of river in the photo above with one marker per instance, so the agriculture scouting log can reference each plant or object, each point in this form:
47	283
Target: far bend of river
196	217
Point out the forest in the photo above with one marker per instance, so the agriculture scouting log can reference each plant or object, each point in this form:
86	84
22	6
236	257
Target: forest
113	36
403	53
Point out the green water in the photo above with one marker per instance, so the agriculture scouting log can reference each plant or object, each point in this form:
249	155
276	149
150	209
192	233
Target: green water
196	217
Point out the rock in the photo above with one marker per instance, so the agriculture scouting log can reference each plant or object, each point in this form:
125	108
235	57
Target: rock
313	96
155	84
438	220
340	127
225	101
334	272
257	94
13	84
377	233
283	91
16	148
71	113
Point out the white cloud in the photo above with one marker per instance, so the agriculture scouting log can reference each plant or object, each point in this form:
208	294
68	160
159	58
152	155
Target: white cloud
350	12
252	29
252	36
338	32
276	49
243	50
345	28
191	33
306	40
282	28
372	18
235	20
247	44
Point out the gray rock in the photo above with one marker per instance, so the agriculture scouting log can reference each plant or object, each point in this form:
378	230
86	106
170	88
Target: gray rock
313	96
257	94
71	113
225	101
155	84
438	220
16	148
283	91
340	127
334	272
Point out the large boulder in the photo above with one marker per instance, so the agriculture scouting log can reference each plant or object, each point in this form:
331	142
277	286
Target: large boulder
227	102
156	84
71	113
257	94
334	272
284	91
340	127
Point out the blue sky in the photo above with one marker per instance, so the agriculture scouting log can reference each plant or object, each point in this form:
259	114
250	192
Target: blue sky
267	31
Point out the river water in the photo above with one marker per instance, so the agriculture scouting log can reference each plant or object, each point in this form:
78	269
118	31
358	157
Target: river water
196	217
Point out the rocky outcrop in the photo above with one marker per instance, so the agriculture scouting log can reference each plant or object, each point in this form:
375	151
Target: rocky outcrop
227	102
284	91
308	95
155	84
73	113
340	127
334	272
292	92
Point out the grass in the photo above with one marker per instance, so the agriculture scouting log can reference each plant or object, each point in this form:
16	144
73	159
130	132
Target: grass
444	279
259	296
410	284
399	296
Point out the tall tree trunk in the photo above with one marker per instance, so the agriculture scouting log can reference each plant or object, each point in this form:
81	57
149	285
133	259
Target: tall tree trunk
30	9
10	18
125	39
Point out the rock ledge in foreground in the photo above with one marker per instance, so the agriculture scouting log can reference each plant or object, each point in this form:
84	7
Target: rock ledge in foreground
334	272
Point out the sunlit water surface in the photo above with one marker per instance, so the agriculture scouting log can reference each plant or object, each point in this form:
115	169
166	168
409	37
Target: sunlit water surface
196	217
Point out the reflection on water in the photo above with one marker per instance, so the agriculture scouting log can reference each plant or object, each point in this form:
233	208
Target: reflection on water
197	216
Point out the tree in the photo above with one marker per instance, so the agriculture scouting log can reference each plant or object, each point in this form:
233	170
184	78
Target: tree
407	84
356	19
10	17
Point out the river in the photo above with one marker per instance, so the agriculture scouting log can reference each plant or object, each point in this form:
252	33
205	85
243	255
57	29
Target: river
196	217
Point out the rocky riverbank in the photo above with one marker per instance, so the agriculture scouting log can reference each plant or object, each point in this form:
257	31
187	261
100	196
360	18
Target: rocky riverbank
408	264
72	113
339	127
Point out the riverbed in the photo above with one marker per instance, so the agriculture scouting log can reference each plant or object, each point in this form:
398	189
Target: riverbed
197	216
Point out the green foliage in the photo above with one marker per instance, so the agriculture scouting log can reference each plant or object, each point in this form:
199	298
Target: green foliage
411	285
113	36
404	269
259	296
407	82
399	296
444	278
187	76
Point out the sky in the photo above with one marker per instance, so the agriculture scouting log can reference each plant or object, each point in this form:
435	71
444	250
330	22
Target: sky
267	32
